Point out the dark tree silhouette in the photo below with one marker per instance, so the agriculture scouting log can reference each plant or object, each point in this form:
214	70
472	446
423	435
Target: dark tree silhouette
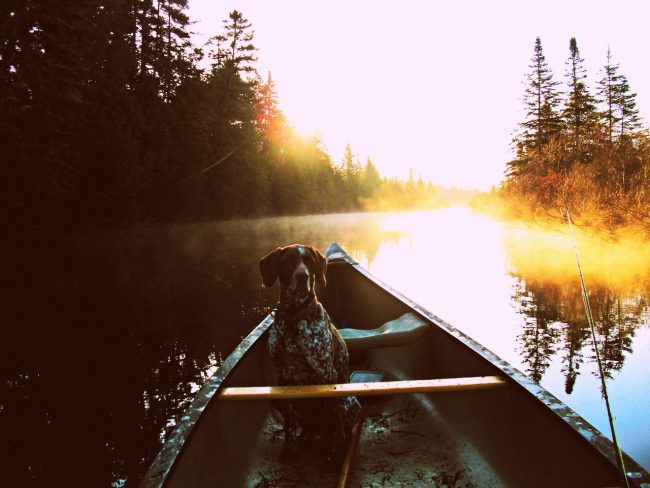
579	112
541	99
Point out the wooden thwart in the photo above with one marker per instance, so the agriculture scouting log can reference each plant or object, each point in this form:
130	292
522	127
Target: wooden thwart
361	389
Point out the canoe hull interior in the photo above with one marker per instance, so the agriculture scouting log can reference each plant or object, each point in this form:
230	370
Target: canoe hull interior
499	437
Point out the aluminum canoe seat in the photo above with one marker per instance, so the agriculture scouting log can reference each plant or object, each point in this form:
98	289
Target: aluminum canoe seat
399	332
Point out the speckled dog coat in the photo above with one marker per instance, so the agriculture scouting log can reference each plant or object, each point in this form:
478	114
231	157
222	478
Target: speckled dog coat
306	349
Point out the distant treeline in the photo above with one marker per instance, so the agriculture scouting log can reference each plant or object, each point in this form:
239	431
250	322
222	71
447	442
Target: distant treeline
580	147
109	115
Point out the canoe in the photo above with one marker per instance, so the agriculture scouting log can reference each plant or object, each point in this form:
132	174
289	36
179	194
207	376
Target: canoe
450	412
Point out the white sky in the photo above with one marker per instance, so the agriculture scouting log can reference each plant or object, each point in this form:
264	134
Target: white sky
432	85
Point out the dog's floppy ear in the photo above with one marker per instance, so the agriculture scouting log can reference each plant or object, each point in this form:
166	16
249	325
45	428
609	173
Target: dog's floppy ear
320	265
269	267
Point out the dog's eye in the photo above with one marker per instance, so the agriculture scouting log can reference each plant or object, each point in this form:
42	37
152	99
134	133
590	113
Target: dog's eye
309	262
286	259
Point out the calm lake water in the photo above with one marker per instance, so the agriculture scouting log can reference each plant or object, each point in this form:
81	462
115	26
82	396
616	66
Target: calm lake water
111	333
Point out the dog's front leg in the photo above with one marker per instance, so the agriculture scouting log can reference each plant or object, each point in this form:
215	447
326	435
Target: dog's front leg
335	436
290	448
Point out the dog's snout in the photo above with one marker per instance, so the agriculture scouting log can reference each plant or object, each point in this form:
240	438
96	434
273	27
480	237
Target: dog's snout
302	277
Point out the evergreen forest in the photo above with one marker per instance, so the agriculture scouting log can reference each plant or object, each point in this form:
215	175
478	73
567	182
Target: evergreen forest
110	116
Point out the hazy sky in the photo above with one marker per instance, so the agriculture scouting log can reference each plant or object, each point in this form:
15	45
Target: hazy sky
432	85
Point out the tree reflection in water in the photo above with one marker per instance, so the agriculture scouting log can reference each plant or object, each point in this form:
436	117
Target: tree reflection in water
555	323
541	331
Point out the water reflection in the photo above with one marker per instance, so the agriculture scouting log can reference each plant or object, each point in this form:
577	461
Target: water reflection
109	334
555	324
466	267
549	296
107	337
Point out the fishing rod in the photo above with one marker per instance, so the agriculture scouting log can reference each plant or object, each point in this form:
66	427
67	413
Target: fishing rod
590	320
208	168
176	184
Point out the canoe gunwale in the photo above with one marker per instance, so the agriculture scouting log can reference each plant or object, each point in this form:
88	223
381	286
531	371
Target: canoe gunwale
164	463
337	255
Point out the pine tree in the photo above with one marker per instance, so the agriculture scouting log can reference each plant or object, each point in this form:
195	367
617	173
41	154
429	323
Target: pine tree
143	42
351	173
351	168
232	86
161	38
420	183
608	93
235	48
579	112
620	115
174	61
232	90
233	61
629	114
270	119
371	179
543	122
542	100
218	53
410	181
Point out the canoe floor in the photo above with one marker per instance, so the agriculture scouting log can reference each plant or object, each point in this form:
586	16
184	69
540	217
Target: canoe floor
404	442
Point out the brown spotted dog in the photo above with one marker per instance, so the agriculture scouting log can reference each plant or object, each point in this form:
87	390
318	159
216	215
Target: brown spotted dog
306	349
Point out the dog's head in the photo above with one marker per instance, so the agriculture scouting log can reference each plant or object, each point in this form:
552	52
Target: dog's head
297	267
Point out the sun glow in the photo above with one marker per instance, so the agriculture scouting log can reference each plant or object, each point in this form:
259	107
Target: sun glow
441	98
